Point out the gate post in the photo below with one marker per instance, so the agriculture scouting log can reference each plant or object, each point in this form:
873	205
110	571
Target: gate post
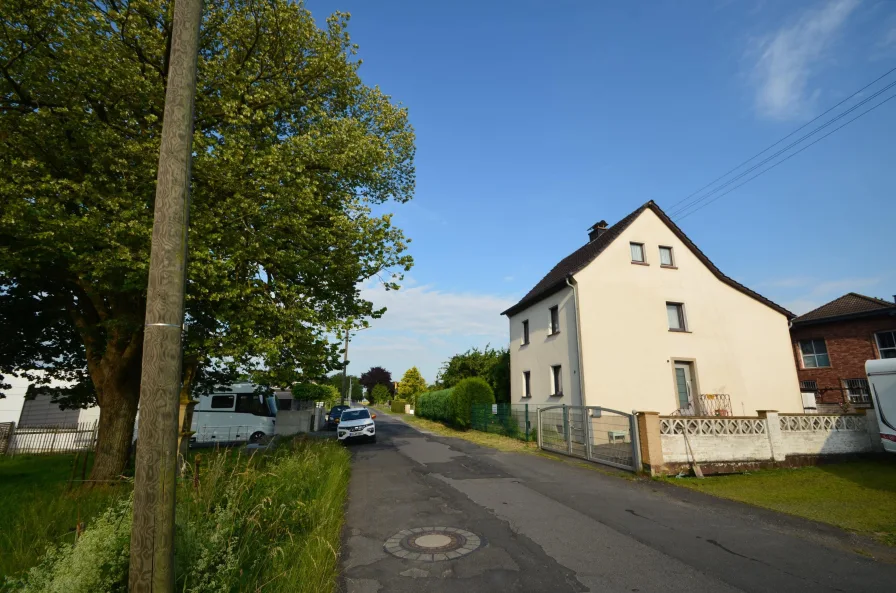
566	431
589	438
527	422
538	425
636	442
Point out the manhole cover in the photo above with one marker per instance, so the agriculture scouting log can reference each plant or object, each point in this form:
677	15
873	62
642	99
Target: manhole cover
432	544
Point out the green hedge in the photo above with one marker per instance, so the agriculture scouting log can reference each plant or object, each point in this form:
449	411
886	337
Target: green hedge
398	406
435	405
466	394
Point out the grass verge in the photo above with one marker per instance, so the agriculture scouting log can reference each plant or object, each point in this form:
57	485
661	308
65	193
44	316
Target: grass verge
859	496
487	439
268	522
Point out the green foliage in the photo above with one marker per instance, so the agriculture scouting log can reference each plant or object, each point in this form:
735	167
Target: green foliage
357	389
411	385
274	519
292	152
490	364
379	394
466	394
315	392
435	405
398	406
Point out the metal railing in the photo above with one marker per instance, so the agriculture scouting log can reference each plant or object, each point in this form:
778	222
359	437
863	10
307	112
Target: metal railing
57	438
707	404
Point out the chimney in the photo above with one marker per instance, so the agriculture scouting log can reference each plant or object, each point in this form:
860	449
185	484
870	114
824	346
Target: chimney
597	230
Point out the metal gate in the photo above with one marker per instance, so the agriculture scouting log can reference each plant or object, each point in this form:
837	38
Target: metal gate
591	432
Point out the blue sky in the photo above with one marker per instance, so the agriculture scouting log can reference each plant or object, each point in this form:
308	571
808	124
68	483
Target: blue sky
535	120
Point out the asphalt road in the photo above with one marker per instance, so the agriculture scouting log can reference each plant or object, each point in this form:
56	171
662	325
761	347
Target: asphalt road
549	525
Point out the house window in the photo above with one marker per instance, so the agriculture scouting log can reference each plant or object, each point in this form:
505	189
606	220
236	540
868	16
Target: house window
637	252
525	332
815	354
858	391
556	383
223	402
527	391
808	385
555	320
886	344
675	313
666	259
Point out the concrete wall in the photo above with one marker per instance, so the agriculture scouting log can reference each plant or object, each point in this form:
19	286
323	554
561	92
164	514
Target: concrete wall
293	422
739	346
544	351
716	449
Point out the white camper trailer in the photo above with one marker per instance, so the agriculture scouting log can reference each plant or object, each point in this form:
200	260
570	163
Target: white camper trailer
882	377
243	412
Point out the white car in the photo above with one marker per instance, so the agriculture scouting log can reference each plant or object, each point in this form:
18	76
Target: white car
356	424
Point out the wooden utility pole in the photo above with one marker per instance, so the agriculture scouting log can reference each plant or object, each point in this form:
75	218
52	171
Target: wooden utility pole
344	366
152	533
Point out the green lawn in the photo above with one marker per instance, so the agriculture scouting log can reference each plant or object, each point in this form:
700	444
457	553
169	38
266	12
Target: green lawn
859	496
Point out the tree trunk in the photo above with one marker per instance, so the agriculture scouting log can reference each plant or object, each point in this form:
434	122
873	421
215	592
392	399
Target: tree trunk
116	431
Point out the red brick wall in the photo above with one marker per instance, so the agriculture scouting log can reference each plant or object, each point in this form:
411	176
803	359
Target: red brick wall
849	344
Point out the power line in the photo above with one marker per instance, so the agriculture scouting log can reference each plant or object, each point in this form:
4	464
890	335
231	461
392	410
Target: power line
763	151
893	96
782	151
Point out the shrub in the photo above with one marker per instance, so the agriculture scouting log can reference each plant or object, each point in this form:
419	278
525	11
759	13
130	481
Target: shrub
379	394
398	406
466	394
315	393
435	405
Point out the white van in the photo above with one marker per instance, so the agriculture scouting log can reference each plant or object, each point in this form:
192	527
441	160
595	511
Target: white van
882	377
234	413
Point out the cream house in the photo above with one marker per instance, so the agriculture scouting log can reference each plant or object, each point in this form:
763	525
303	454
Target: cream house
639	318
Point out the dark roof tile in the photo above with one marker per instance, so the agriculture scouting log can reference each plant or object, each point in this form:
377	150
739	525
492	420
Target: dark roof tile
847	305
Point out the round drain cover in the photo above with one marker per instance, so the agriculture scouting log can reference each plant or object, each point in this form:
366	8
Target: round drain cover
432	544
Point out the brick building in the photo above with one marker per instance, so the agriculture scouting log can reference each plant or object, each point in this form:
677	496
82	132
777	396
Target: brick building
831	345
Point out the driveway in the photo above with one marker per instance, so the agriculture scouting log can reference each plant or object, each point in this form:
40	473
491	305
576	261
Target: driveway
518	522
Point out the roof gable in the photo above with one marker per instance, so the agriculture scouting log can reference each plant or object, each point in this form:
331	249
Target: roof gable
850	304
575	262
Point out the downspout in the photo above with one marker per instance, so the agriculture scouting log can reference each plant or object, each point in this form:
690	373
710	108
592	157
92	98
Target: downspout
575	298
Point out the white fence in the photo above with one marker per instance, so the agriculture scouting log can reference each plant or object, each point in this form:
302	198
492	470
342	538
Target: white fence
58	438
767	437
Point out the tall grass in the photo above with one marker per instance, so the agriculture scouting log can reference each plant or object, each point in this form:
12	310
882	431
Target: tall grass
267	522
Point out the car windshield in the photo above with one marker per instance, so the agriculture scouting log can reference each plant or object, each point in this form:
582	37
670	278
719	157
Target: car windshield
337	410
355	415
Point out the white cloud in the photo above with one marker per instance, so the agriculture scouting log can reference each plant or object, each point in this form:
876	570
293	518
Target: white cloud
424	326
789	57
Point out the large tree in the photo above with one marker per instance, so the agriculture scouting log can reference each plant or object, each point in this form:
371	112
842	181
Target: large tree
377	376
291	152
411	385
491	364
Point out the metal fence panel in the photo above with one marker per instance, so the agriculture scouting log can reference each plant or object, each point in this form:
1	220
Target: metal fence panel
62	438
590	432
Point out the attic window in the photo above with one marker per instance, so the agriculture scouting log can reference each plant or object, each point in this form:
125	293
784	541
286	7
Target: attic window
666	259
637	252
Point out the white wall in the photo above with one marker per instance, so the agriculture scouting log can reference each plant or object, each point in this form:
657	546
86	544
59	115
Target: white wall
544	351
741	346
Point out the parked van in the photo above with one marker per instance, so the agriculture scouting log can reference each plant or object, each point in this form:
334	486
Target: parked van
882	377
243	412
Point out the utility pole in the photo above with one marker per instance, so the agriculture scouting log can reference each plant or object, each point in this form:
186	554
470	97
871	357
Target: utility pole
344	366
152	532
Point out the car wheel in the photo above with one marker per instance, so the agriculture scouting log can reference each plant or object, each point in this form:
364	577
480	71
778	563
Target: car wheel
256	437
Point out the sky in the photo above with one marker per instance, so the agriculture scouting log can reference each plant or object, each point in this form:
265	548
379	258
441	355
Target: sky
536	120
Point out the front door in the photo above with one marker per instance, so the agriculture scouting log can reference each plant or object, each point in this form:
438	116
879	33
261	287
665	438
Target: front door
684	387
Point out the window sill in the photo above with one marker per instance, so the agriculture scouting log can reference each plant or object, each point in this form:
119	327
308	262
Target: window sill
669	267
524	345
640	263
680	331
815	368
556	395
554	333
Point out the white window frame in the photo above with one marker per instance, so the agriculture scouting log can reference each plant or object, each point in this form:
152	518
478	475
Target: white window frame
527	384
556	380
671	263
631	246
858	390
682	317
889	350
814	353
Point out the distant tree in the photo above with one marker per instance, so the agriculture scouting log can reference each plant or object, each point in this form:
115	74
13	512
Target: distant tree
315	392
357	389
377	376
379	394
411	385
491	364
